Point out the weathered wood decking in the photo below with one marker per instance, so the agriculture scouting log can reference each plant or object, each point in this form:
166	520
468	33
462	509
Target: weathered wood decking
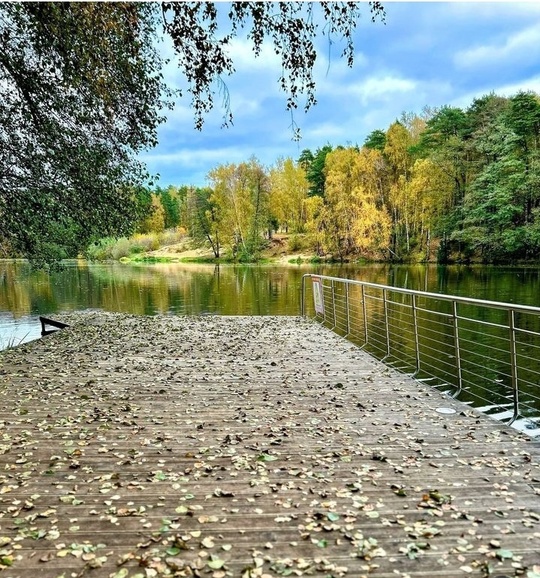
248	446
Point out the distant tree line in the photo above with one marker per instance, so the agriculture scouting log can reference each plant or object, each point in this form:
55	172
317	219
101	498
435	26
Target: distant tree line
447	184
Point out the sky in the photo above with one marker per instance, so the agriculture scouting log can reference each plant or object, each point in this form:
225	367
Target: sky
425	54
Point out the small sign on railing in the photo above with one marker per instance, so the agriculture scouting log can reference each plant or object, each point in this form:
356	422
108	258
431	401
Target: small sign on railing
318	295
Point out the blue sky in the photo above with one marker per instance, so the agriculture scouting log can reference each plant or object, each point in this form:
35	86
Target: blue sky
427	53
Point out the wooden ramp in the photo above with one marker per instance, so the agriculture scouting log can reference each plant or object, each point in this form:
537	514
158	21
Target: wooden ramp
248	447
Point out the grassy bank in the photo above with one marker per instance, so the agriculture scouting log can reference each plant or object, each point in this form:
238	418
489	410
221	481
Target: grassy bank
138	245
174	246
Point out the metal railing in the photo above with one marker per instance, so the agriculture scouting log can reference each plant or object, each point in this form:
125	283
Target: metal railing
485	353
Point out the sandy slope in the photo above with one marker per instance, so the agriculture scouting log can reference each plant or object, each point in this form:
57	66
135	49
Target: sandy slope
278	251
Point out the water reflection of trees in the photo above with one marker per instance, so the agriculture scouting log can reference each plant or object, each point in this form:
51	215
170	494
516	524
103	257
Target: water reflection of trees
22	291
231	290
159	288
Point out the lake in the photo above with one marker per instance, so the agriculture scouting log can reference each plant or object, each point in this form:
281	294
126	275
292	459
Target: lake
186	289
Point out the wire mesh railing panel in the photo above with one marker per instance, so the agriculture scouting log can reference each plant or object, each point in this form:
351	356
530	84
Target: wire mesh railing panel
484	353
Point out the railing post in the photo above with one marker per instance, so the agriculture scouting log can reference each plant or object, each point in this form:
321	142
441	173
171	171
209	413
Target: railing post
364	313
334	304
387	327
457	348
416	336
513	363
323	298
348	313
303	297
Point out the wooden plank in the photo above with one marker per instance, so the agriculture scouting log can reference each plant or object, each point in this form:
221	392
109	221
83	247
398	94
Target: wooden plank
248	446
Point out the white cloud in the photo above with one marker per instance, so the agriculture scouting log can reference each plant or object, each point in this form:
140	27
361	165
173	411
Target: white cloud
241	52
188	157
524	85
524	45
383	86
527	84
370	89
325	131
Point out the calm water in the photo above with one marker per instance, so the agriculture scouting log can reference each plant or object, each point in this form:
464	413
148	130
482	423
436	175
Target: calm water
178	289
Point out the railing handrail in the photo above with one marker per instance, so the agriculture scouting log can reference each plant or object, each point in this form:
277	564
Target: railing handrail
442	296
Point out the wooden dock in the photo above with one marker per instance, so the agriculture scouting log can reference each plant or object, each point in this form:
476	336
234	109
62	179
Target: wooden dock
249	447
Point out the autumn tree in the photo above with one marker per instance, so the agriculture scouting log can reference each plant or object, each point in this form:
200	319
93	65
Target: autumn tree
416	124
429	194
444	141
171	206
154	222
316	215
80	94
205	218
256	180
356	221
396	151
288	191
241	192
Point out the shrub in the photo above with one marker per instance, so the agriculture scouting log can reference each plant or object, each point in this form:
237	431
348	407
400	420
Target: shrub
297	243
101	250
121	248
142	242
172	236
110	248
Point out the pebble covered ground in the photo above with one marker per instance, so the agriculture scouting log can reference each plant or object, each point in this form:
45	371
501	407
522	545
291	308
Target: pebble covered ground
248	447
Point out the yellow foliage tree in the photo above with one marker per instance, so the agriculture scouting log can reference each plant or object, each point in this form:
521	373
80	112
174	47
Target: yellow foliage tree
240	193
355	219
155	223
398	142
288	191
430	192
314	211
396	150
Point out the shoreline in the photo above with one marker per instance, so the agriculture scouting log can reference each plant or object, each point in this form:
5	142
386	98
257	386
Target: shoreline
292	260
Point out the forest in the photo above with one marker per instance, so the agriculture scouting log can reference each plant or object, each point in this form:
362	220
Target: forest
447	184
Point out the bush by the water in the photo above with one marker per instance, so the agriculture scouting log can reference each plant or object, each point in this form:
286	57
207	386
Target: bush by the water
110	248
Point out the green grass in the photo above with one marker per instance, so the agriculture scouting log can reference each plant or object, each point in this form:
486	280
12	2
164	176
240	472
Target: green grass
151	259
201	260
315	260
